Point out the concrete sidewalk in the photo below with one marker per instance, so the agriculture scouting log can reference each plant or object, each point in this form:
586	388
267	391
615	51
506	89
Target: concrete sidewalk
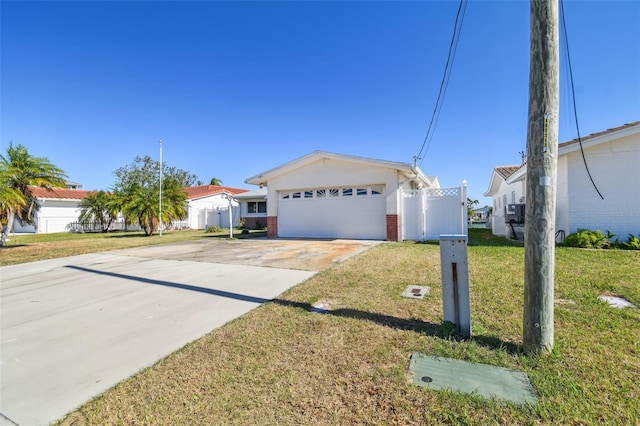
71	328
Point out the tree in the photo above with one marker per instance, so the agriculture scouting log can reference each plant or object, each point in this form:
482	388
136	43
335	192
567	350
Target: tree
19	170
137	193
470	206
215	181
99	207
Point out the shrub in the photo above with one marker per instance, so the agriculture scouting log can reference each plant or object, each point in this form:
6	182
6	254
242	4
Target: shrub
213	229
259	225
586	238
632	243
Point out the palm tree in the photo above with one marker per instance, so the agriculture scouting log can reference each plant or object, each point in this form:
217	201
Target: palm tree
20	170
99	207
470	206
141	203
215	181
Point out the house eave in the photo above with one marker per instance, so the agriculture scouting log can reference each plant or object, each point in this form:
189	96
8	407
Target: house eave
409	171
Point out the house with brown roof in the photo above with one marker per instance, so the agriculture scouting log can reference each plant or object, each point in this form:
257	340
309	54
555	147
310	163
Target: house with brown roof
597	186
59	208
209	206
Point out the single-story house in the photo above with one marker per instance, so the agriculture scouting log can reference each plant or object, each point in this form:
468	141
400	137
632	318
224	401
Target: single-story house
613	159
59	209
253	208
329	195
209	206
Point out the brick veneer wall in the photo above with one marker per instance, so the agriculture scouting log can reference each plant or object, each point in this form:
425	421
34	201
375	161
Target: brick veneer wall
392	227
251	222
272	226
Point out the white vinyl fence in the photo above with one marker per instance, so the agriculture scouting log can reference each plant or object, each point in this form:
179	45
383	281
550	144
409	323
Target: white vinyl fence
429	213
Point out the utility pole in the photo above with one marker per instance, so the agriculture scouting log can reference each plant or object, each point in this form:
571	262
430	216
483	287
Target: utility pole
542	158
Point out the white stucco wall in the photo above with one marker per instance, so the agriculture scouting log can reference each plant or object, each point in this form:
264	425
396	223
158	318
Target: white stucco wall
216	210
334	173
512	193
615	169
53	216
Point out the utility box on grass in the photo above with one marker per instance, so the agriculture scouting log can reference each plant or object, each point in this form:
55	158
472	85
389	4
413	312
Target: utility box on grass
455	282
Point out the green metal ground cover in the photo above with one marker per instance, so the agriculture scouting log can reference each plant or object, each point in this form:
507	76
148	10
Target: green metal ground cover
484	380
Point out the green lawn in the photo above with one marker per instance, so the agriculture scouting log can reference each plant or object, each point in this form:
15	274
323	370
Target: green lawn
282	364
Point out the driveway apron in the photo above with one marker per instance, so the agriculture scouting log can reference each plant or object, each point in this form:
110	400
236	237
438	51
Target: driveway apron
71	328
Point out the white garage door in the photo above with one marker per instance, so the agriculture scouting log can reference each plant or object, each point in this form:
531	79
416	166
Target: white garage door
356	213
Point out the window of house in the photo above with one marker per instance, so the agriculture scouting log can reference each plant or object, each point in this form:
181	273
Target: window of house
321	193
257	207
376	190
308	194
334	192
347	192
513	197
295	195
361	191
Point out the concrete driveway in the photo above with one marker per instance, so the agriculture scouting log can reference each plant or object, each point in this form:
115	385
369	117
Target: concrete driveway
71	328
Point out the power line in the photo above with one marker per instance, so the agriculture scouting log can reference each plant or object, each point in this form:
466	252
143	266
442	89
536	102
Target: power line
453	46
573	94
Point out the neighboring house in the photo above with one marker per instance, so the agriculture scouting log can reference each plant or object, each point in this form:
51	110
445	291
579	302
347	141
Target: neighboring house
613	159
209	206
253	208
503	194
481	214
328	195
58	209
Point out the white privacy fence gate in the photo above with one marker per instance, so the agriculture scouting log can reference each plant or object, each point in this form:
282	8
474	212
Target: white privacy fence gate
429	213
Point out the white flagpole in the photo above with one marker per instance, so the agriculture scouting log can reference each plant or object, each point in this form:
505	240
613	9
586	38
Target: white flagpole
160	198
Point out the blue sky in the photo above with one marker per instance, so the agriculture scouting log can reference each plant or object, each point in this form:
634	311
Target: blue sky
236	88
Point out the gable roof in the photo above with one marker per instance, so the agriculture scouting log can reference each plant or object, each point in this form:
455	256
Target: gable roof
207	190
587	141
600	137
259	194
58	193
406	168
500	173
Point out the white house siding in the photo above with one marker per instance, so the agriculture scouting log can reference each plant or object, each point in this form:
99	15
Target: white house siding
613	158
507	194
562	195
212	210
615	168
356	217
54	216
334	173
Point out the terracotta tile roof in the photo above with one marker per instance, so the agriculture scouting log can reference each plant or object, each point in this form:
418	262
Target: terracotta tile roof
602	133
59	193
506	171
205	190
79	194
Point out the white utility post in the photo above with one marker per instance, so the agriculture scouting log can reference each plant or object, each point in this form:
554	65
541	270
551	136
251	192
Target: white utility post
230	216
455	282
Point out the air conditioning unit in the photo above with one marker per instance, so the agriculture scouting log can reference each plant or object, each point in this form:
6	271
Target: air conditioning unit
515	213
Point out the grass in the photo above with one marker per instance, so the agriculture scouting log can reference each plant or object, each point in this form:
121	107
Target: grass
32	247
282	364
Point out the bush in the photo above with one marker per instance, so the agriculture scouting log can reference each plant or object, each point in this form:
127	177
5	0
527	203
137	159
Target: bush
632	243
259	225
586	238
213	229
